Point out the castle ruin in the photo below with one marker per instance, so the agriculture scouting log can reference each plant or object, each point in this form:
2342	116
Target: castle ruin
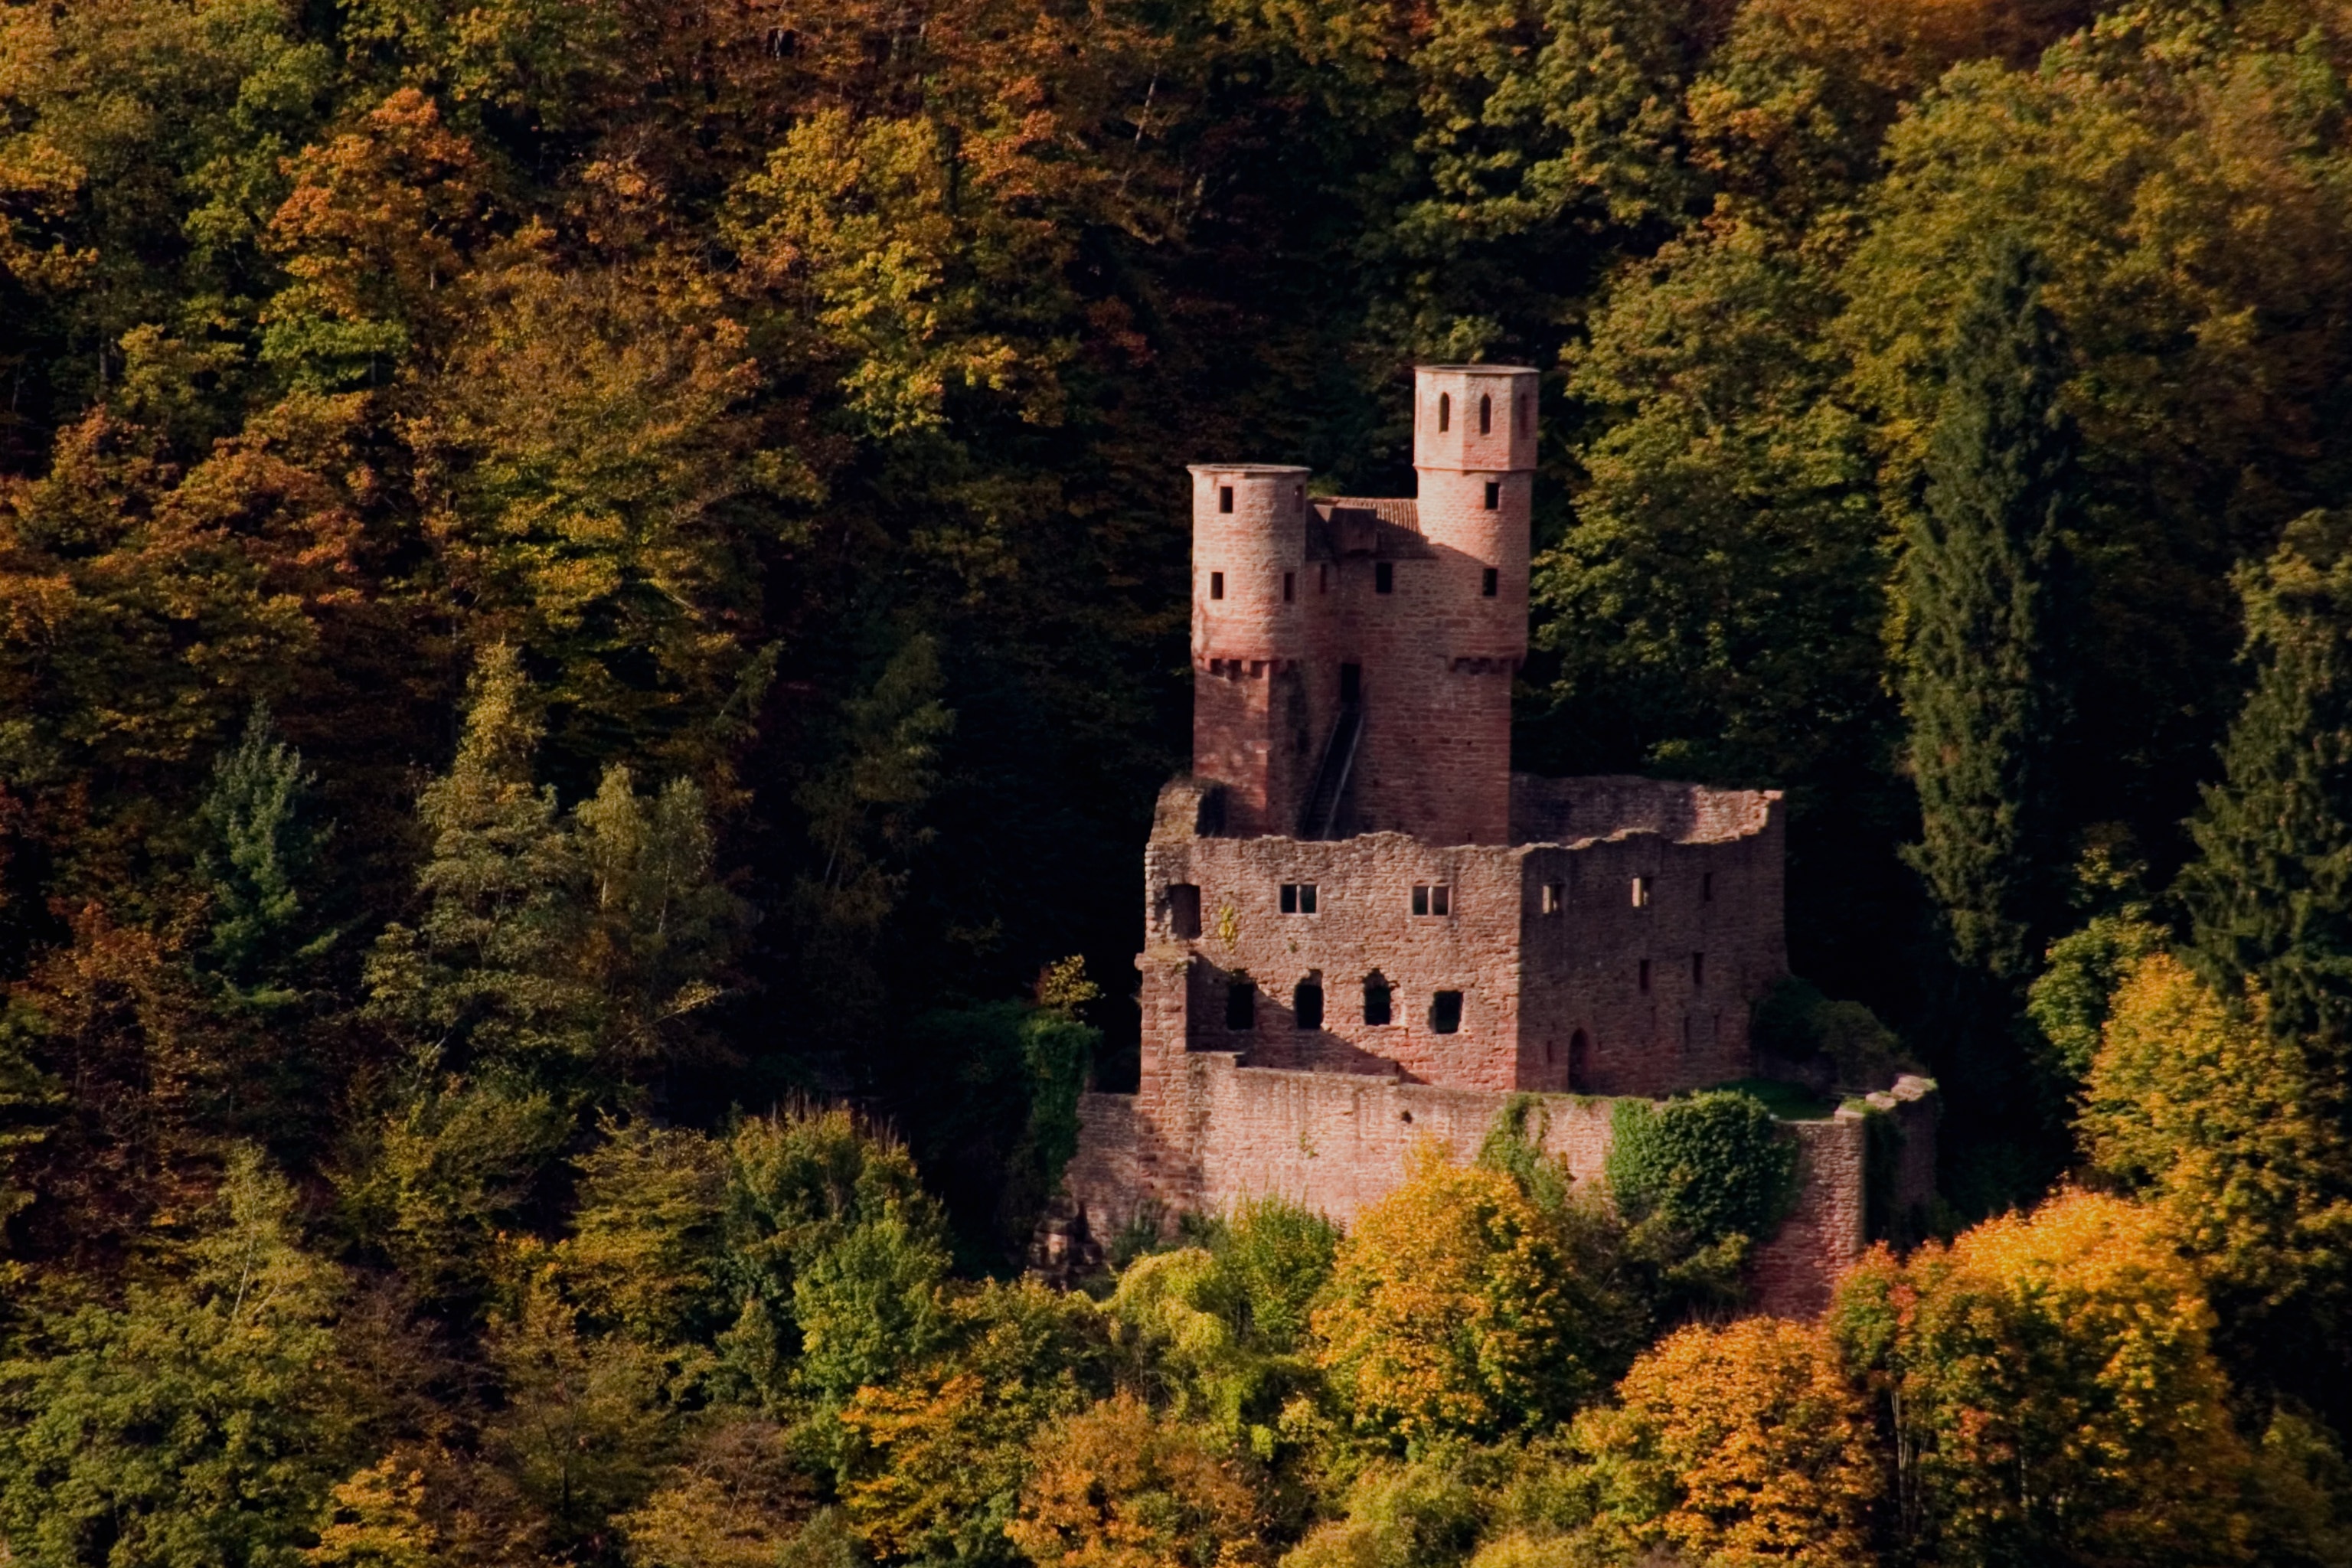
1362	929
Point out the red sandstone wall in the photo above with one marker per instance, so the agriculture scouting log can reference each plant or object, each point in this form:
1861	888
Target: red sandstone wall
1211	1133
1793	1274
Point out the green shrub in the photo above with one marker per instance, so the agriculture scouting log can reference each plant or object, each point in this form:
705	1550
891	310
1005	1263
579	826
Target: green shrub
1713	1164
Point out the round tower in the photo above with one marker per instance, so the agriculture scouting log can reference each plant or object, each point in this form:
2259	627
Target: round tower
1474	448
1249	545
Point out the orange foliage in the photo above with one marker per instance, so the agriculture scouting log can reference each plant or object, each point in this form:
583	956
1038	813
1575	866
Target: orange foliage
2052	1374
1114	1489
1763	1444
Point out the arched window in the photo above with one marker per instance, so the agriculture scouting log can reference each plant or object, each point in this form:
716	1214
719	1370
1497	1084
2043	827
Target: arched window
1445	411
1485	415
1306	1003
1376	998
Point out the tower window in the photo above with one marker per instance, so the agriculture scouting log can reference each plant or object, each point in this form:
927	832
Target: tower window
1433	899
1307	1004
1299	898
1225	497
1289	587
1494	495
1376	999
1445	412
1298	498
1184	910
1489	582
1642	976
1485	415
1641	892
1216	585
1445	1011
1698	972
1383	577
1554	898
1707	886
1241	1004
1352	683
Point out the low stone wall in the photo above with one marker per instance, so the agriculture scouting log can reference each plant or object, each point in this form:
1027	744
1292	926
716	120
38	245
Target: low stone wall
1220	1134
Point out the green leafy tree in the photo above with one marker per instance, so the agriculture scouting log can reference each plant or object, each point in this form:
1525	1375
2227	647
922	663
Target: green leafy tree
1699	1180
202	1420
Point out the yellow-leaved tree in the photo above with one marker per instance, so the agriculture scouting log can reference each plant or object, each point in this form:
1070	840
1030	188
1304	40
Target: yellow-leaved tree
2053	1389
1738	1445
1453	1310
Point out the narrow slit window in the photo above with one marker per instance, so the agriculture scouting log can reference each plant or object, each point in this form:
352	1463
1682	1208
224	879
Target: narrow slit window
1298	498
1322	579
1307	1004
1490	583
1445	412
1554	898
1289	587
1641	892
1485	415
1241	1004
1225	497
1707	886
1376	999
1445	1011
1299	898
1642	976
1493	495
1383	577
1526	414
1216	585
1698	972
1184	910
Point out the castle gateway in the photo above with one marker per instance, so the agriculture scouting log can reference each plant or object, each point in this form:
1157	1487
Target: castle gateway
1361	930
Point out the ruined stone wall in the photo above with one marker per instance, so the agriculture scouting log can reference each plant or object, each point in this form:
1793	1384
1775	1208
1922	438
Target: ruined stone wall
1211	1132
1644	979
1792	1273
1363	925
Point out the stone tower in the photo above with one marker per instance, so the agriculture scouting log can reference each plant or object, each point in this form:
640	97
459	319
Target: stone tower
1354	658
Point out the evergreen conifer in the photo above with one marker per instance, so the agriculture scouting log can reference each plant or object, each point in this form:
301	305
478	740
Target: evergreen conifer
1983	681
259	854
2270	896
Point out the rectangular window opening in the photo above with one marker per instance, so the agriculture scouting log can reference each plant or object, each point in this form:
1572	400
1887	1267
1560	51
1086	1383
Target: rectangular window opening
1376	999
1216	585
1698	971
1445	1011
1289	587
1433	899
1383	577
1420	898
1490	583
1299	898
1307	1004
1707	886
1225	497
1184	910
1554	898
1642	976
1241	1004
1641	892
1494	495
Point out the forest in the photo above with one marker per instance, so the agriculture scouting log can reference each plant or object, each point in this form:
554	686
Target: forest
592	602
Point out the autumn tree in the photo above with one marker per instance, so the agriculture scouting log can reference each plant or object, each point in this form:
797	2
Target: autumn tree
2053	1376
1452	1311
1116	1486
1745	1444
